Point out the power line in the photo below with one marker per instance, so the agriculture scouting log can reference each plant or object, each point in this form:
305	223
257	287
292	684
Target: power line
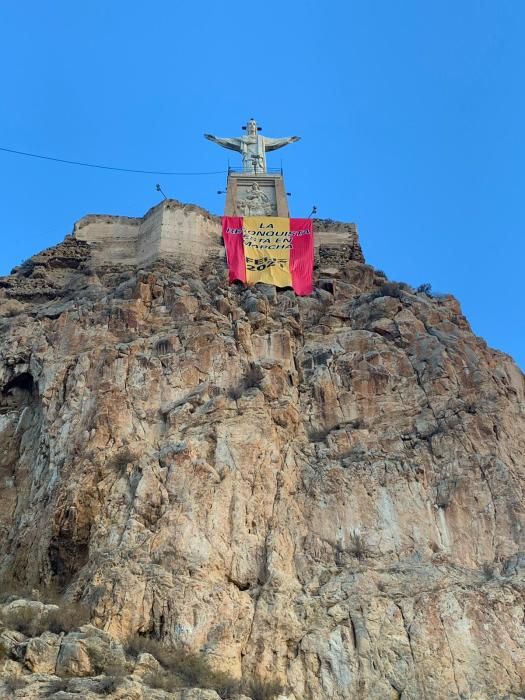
105	167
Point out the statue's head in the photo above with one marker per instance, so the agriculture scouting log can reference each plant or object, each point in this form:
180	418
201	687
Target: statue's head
251	127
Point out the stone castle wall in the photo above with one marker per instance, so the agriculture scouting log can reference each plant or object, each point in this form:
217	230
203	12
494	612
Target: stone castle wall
172	230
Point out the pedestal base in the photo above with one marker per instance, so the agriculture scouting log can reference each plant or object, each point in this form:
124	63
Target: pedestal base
256	195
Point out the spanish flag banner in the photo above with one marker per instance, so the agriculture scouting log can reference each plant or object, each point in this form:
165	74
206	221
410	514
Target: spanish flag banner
270	249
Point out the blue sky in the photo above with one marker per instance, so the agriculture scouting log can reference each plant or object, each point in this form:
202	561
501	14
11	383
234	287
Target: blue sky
411	115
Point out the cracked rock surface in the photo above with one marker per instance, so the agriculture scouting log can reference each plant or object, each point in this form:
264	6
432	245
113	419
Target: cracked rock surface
326	490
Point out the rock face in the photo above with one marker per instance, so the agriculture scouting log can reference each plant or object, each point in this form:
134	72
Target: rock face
326	491
86	663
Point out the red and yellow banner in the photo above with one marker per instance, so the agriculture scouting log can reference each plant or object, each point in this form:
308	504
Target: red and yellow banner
270	249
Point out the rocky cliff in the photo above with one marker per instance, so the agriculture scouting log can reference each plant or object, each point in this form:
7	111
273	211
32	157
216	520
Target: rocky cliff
324	491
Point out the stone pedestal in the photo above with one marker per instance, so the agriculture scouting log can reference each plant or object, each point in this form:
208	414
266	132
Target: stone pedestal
256	195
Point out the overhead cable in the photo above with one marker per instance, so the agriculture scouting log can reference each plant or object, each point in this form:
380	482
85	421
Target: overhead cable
106	167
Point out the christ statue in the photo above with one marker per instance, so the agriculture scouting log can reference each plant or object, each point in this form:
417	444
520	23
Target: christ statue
252	146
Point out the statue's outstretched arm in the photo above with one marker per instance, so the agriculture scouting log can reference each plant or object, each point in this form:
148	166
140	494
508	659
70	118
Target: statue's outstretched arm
274	144
231	143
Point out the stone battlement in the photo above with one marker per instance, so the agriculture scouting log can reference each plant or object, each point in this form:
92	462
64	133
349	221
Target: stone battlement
177	231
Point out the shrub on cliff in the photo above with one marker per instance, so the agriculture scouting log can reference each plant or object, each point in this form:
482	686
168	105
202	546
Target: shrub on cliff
109	685
262	690
60	685
23	619
390	289
68	617
14	683
425	288
119	461
4	650
186	669
252	378
32	621
11	589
